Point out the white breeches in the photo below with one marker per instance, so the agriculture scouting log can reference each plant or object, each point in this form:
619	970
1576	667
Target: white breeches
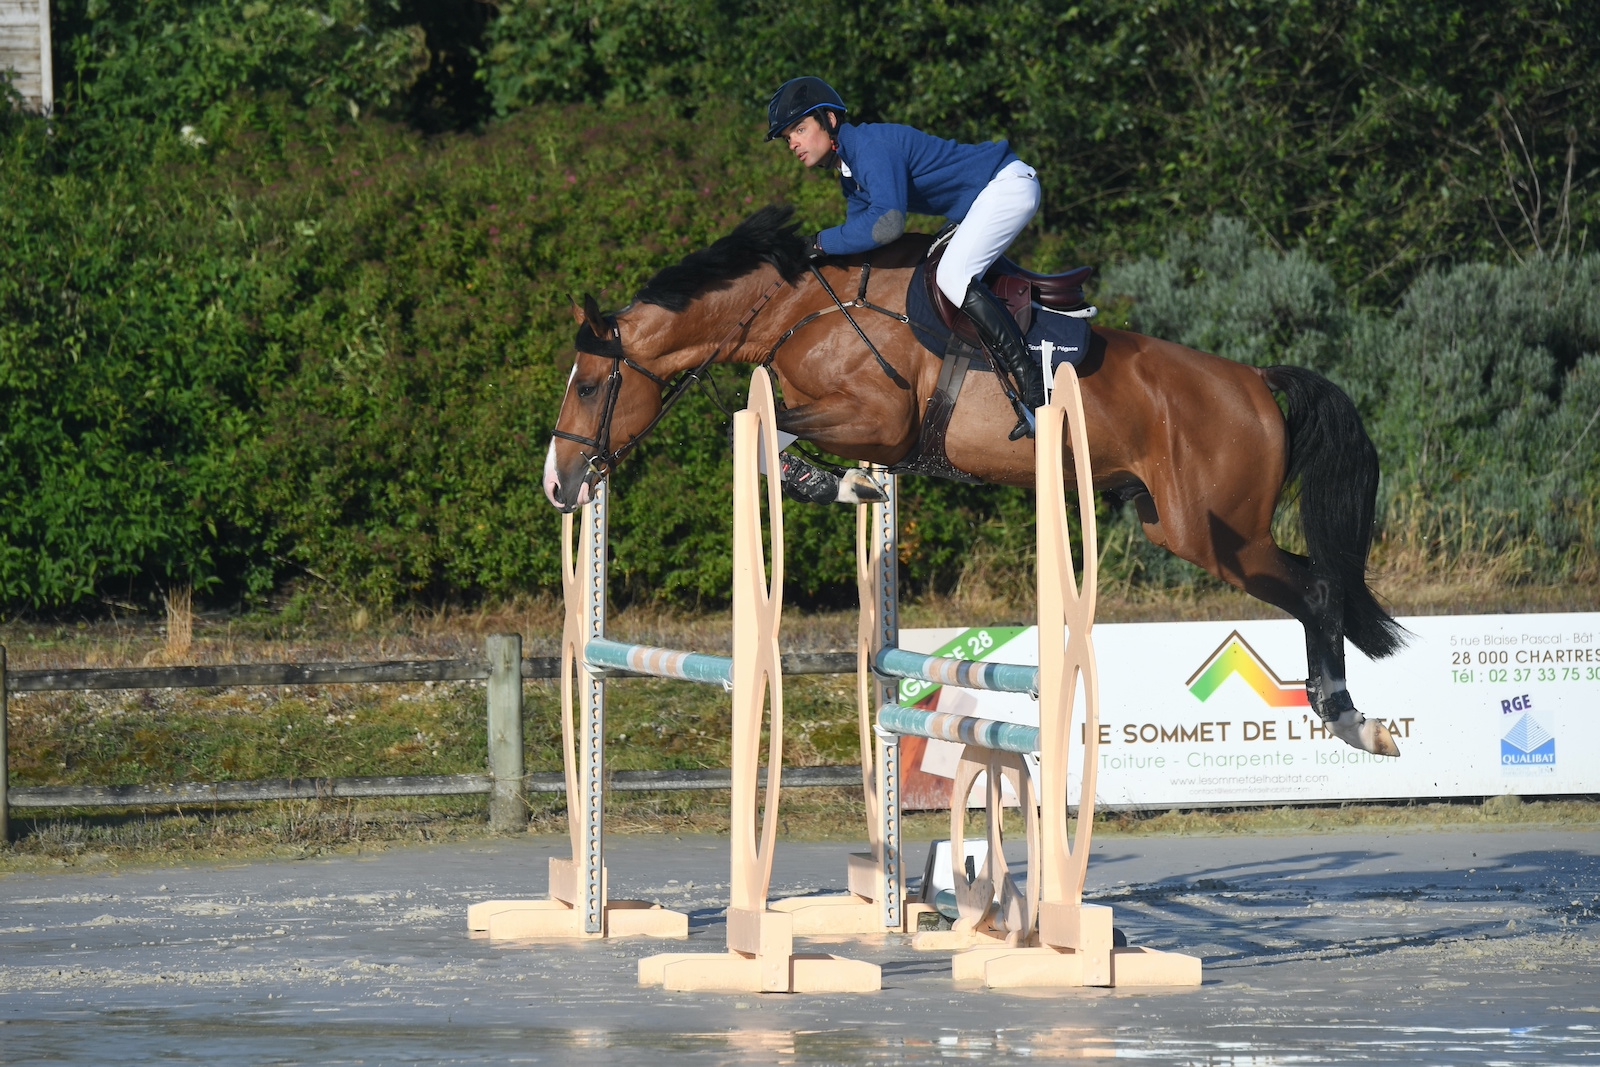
1006	205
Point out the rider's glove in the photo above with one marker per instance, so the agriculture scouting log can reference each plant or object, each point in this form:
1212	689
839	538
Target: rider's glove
814	247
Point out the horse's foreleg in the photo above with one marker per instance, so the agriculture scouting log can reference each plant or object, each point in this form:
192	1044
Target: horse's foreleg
852	427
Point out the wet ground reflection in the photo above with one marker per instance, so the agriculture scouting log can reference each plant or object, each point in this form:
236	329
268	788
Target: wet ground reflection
138	1041
1454	948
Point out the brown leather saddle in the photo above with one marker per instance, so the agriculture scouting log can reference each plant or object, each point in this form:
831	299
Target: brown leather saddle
1017	289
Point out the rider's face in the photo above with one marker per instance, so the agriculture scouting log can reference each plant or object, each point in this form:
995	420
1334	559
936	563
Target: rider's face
811	144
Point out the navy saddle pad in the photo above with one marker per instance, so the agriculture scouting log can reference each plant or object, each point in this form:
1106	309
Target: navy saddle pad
1055	335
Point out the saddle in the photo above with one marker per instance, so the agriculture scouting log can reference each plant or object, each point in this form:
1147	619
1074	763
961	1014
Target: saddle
1061	335
1016	288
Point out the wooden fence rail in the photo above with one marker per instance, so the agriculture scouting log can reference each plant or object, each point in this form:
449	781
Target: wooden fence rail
204	794
505	784
267	674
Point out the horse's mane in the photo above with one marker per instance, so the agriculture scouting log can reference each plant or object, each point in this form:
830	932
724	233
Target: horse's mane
768	236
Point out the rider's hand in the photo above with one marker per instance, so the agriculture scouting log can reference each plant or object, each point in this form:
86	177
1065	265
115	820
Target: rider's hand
814	247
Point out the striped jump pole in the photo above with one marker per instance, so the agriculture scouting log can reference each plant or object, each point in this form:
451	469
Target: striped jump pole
601	654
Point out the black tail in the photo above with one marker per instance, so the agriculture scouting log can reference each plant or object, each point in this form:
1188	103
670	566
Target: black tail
1337	465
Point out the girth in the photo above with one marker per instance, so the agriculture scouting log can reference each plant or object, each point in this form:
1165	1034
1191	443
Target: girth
930	457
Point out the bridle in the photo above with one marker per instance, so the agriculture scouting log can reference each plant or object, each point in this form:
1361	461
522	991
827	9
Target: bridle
604	458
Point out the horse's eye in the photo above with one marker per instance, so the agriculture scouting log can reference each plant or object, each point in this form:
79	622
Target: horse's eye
586	391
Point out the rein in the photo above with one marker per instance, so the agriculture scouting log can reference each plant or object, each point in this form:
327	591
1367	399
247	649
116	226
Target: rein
860	301
605	458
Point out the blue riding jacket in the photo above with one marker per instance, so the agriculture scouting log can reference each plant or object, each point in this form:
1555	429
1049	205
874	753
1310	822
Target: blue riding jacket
890	171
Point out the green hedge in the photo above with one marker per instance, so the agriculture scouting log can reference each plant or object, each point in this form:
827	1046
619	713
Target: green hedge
337	353
1382	133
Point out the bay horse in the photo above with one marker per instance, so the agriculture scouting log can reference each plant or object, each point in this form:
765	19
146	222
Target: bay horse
1196	442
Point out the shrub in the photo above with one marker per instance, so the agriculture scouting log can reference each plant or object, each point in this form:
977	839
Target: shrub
1377	133
1479	390
340	357
139	71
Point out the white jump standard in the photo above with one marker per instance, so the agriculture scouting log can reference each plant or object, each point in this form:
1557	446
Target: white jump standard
579	905
760	956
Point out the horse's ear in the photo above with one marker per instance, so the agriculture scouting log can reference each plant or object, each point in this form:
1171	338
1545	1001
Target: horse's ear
597	322
577	312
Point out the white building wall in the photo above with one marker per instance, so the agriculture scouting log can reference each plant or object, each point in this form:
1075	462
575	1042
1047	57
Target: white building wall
25	50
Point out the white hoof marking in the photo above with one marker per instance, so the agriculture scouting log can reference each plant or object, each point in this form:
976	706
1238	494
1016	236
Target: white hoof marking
857	487
1368	735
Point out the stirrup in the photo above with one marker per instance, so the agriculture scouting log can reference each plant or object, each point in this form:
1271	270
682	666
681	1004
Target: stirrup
1025	419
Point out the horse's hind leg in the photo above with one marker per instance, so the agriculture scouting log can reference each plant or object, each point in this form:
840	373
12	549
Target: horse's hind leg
1289	581
1253	562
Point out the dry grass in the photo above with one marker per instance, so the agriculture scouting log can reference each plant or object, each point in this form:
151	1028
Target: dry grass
300	830
180	624
988	592
1427	543
1406	582
249	733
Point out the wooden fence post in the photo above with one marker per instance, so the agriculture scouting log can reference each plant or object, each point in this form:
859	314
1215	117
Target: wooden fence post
508	803
5	751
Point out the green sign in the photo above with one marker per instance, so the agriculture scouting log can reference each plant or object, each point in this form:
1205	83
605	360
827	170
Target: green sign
971	645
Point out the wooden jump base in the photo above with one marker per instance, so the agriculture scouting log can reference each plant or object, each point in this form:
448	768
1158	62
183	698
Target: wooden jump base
579	904
1007	936
760	956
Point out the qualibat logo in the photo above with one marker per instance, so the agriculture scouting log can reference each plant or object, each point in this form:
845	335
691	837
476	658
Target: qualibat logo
1528	745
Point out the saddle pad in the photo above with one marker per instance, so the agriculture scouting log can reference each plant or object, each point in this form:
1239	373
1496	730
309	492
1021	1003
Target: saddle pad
1058	338
934	335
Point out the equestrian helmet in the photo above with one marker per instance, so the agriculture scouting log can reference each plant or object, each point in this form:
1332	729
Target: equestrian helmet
797	98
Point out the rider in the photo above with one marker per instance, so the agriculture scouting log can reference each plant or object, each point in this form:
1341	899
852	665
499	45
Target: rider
887	171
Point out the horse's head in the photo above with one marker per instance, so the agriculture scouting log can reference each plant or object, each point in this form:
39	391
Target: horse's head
612	398
632	366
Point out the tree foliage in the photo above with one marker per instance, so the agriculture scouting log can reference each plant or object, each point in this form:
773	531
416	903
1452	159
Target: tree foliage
1385	136
140	71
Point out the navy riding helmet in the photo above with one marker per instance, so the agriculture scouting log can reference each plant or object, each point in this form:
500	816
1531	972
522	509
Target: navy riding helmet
797	98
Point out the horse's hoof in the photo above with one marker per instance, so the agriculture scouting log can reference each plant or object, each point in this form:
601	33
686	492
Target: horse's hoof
1369	735
857	487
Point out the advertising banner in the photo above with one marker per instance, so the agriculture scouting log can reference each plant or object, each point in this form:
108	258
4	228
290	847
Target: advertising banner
1208	713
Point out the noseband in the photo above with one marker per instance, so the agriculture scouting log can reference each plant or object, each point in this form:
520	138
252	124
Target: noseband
604	458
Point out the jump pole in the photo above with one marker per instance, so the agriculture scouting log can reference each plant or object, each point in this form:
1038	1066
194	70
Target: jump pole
578	905
760	955
1044	935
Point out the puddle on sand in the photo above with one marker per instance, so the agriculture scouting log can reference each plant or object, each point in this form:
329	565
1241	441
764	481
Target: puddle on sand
130	1041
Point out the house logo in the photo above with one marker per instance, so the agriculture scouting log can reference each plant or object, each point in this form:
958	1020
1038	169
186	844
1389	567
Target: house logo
1235	656
1528	746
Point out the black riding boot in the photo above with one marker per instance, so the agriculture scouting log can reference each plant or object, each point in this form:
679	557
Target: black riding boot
810	484
999	333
